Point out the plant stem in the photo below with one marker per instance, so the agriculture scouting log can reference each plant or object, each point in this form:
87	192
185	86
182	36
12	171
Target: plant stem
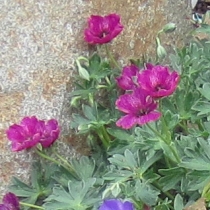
105	135
67	167
168	194
104	141
167	162
110	56
139	206
169	145
164	125
31	205
183	126
156	132
47	157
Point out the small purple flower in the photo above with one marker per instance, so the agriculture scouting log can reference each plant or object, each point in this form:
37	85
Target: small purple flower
139	107
114	204
32	131
50	132
25	135
101	29
128	79
158	80
10	202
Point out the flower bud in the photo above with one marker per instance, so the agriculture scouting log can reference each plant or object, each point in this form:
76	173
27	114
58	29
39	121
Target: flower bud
74	101
161	52
168	28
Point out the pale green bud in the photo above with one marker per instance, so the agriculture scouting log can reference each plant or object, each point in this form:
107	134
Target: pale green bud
169	27
74	101
161	52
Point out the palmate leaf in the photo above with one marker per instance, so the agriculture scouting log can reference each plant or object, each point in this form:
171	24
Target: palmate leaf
120	134
178	202
117	175
84	167
205	90
127	160
199	165
171	177
139	160
199	158
21	189
80	196
197	180
146	193
41	184
98	68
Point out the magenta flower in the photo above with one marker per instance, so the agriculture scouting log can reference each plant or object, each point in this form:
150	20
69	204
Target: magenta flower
114	204
158	81
25	135
10	202
50	132
101	29
128	79
139	107
32	131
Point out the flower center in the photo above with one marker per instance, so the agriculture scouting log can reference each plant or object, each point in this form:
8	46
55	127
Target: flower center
159	87
143	112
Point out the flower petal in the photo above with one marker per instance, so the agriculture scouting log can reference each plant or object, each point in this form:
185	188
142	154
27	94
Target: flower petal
114	204
127	121
150	117
101	29
11	202
127	80
128	103
158	81
16	133
50	133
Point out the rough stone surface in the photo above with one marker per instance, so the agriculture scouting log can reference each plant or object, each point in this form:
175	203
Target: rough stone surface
39	41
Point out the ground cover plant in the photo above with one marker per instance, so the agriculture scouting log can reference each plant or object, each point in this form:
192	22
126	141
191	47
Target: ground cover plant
147	124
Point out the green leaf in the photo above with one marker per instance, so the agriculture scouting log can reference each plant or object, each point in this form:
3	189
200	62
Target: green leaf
130	159
121	134
118	175
199	165
112	189
175	63
203	107
205	146
89	112
83	73
205	90
145	192
150	161
171	177
167	150
171	119
84	167
127	160
162	207
178	202
205	28
80	196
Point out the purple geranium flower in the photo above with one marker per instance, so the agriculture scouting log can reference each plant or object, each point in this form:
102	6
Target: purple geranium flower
50	132
101	29
10	202
158	81
128	79
32	131
139	107
25	135
114	204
